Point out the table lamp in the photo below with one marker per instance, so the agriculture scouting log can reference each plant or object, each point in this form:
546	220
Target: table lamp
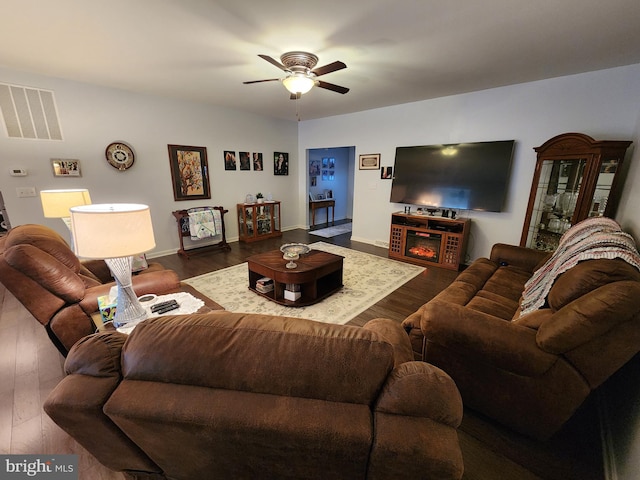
56	203
115	232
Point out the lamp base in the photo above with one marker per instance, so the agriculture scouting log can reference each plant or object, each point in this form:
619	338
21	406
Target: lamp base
128	309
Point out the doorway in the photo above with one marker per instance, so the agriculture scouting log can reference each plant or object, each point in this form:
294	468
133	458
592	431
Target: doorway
330	174
4	218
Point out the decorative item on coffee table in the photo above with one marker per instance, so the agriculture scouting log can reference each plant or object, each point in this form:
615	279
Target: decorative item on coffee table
292	251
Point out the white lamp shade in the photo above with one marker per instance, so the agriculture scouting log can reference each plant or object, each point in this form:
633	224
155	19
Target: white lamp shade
298	83
56	203
112	230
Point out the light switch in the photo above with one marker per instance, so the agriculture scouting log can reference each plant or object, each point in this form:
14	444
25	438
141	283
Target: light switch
24	192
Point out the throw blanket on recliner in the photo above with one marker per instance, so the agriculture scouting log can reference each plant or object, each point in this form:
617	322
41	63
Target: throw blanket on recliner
593	238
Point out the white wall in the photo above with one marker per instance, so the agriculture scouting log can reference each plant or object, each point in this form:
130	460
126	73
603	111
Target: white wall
603	104
93	117
622	395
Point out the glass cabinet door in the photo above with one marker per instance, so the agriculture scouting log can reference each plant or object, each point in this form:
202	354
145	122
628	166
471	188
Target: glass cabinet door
557	194
604	184
245	221
263	219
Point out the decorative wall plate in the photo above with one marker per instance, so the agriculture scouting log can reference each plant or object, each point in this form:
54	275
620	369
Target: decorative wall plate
120	155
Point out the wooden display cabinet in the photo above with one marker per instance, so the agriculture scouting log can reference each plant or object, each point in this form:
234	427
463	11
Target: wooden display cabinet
575	177
258	221
428	240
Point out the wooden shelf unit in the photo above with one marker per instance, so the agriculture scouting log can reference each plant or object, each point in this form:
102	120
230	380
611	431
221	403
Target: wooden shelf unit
258	221
429	241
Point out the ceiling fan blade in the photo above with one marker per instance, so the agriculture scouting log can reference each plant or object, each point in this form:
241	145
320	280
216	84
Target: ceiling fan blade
332	87
260	81
331	67
274	62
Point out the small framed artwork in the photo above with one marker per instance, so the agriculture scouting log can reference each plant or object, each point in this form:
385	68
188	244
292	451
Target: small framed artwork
370	161
314	168
64	167
229	160
245	161
189	172
280	163
386	173
258	166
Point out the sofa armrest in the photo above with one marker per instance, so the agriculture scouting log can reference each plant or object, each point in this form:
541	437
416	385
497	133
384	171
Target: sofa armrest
76	403
416	416
526	259
505	345
419	389
159	282
393	333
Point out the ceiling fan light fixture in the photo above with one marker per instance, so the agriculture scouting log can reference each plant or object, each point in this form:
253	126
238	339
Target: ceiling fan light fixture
298	83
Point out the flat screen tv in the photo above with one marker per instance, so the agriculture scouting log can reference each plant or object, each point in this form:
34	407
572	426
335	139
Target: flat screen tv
465	176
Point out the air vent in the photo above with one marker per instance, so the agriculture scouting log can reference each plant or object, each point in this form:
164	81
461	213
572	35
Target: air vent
29	113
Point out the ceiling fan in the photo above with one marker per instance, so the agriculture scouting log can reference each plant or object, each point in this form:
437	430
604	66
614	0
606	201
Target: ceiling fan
301	74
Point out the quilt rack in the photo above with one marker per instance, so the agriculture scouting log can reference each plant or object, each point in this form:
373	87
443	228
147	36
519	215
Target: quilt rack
182	219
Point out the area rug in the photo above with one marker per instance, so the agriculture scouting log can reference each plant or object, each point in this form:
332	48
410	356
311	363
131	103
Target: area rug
332	231
366	278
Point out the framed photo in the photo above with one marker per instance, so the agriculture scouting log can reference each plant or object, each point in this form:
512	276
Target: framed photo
245	161
257	162
230	160
280	163
314	168
189	172
370	161
64	167
386	173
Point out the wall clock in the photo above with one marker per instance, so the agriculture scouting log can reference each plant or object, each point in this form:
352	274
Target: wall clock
120	155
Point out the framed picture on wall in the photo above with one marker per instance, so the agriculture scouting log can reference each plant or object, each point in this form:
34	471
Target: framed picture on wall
64	167
314	168
257	162
189	172
370	161
280	163
229	160
245	161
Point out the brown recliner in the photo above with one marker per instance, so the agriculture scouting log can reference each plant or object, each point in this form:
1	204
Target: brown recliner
530	372
61	292
244	396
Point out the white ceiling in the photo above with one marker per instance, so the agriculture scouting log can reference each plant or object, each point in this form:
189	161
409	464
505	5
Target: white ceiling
397	51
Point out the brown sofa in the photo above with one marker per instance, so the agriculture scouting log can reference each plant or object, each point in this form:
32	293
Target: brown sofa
531	372
61	292
245	396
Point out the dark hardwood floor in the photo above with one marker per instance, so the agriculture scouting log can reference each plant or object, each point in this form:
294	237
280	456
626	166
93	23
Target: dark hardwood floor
30	367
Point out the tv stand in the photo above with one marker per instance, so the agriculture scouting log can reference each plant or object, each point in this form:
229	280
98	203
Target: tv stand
429	241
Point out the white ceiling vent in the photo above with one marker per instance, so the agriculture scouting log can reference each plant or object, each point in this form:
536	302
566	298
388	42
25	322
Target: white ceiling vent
29	113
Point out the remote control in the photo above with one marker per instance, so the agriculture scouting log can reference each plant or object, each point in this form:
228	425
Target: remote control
166	309
161	305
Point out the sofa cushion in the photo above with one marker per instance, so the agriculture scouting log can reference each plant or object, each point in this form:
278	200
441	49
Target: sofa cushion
494	304
507	282
260	354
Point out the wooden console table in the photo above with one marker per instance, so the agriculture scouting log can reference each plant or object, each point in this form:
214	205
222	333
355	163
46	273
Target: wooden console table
329	203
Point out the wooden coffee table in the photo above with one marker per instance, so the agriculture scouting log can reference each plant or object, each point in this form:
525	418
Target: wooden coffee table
319	274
